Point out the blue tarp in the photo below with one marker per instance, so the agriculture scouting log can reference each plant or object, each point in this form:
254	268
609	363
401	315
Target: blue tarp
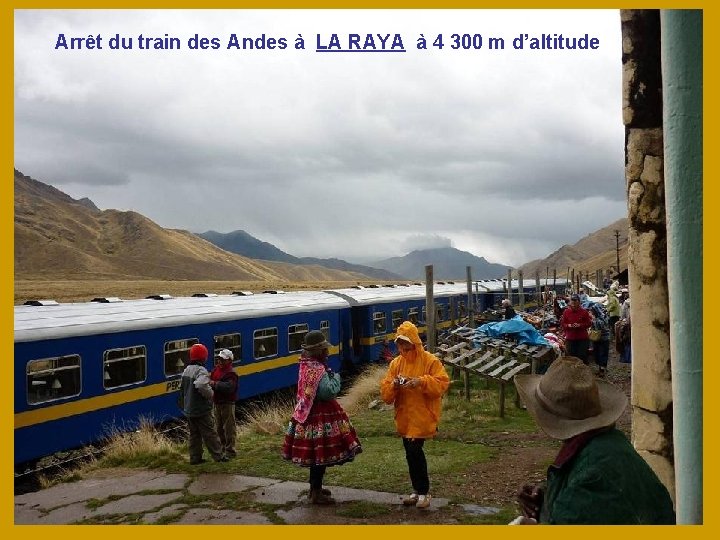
523	331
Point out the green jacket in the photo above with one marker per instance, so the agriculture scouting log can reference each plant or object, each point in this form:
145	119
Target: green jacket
605	482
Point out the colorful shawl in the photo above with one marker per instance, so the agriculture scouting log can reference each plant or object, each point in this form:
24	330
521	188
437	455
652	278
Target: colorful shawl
310	373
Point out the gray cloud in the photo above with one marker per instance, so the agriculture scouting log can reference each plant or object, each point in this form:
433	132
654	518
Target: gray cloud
426	241
347	155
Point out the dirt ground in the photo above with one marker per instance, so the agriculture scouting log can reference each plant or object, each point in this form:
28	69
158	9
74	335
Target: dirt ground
524	458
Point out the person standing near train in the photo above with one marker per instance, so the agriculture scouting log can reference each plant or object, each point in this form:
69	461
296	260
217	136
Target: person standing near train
224	382
197	404
415	383
319	433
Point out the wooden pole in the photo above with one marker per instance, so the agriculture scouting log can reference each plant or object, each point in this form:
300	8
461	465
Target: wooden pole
430	308
509	287
520	290
547	279
538	290
470	303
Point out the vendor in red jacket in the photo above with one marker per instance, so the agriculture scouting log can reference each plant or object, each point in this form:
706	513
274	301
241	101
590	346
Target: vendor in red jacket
575	322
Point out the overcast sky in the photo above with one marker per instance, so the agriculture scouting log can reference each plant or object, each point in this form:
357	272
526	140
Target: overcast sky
506	153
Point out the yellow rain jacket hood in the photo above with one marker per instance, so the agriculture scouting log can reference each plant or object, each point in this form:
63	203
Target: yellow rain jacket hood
417	410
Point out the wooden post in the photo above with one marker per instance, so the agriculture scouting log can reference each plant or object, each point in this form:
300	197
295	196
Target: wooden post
547	279
430	309
554	278
466	378
509	287
538	290
502	400
521	291
470	303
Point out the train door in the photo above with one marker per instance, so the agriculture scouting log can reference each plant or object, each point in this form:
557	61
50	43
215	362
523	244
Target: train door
356	323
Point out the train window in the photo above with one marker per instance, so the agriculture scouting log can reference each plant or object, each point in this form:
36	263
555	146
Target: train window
397	318
177	355
441	312
232	342
53	378
413	315
379	323
124	366
325	329
423	314
296	334
265	342
461	308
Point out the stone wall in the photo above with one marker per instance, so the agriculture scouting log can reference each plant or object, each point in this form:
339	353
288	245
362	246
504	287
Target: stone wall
647	238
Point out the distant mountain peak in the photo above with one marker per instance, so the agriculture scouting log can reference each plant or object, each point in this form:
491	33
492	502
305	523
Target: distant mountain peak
448	263
245	244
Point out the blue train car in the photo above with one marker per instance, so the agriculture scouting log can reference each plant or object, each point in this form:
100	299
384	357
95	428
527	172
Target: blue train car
529	289
85	370
377	311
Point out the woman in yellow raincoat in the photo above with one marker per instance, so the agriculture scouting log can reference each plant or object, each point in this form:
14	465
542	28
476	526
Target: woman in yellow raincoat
415	382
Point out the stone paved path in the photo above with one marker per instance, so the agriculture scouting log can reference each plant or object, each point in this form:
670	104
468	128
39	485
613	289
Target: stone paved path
114	496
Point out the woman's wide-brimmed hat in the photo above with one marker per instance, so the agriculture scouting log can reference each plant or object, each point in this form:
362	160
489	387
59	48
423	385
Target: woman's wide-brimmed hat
568	400
315	340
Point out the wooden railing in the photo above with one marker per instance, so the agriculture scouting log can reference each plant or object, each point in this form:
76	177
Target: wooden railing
493	359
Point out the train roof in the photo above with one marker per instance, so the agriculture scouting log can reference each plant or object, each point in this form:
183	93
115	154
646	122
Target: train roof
54	321
386	294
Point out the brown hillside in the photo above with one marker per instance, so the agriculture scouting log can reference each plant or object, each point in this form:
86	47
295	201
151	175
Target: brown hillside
59	238
594	252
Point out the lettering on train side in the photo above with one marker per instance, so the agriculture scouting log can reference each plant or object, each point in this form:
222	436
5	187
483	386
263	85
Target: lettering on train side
172	386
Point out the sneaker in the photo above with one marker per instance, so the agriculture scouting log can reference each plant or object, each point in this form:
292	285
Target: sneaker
423	501
411	499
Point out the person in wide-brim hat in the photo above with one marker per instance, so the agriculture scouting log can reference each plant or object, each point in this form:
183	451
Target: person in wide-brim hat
314	341
569	400
319	433
597	476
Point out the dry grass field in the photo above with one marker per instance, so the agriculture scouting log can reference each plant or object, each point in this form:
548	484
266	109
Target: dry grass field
84	291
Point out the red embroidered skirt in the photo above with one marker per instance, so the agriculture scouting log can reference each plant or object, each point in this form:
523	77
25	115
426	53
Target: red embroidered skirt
326	438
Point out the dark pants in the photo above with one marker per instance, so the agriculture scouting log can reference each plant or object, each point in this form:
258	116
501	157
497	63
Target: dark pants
601	348
202	430
578	348
317	472
611	321
417	465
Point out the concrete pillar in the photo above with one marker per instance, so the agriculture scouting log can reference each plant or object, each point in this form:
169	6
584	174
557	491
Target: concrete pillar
682	64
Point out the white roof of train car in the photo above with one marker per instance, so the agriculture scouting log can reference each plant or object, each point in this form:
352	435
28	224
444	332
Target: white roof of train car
33	323
385	295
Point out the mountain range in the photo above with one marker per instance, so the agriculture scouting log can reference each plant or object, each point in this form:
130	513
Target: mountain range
58	237
245	244
448	263
596	251
61	238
